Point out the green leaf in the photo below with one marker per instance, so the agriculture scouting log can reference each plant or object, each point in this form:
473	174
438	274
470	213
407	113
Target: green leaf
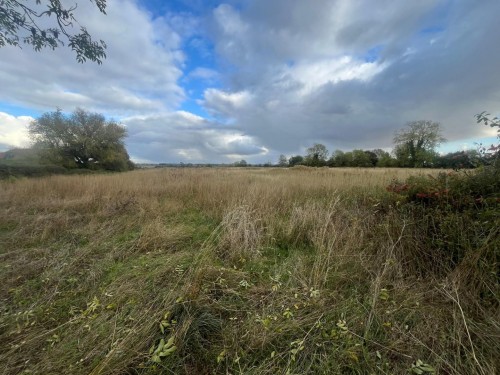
160	346
427	368
221	356
170	342
168	351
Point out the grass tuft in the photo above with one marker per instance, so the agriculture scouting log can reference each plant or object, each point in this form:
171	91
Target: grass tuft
248	271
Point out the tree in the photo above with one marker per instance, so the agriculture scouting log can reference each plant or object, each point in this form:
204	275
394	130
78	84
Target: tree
295	160
316	155
80	140
48	25
373	158
360	158
283	161
384	159
338	159
458	160
241	163
416	144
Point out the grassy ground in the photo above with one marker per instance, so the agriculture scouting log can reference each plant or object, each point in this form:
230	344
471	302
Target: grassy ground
229	271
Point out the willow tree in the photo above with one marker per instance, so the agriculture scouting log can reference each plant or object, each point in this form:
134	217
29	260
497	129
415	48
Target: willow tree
80	140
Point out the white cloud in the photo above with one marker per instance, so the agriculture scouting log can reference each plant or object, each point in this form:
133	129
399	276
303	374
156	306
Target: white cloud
225	103
182	136
313	75
13	131
289	73
234	145
310	77
139	74
203	73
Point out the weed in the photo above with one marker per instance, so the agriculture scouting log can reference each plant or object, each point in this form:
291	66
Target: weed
250	271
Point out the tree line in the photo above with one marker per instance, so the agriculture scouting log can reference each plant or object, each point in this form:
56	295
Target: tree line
87	141
414	147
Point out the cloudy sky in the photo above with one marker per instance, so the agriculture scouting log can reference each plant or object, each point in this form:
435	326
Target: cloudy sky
219	81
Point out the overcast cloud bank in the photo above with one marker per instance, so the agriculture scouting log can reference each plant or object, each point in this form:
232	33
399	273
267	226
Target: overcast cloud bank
286	74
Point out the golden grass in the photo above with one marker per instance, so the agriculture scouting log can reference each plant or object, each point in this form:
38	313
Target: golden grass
261	271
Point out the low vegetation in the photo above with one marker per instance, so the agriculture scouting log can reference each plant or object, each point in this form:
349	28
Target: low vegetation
250	271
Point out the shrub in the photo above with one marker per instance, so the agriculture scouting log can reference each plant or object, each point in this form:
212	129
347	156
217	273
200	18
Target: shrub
474	190
457	216
7	171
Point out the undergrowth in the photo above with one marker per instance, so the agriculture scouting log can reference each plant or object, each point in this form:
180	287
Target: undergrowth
217	271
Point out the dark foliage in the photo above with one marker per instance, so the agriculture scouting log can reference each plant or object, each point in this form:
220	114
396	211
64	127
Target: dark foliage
80	140
48	24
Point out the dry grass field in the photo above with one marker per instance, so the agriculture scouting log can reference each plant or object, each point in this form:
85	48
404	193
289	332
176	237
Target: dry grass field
238	271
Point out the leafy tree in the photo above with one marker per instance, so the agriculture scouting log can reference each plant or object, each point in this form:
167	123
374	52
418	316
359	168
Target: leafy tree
373	158
416	144
295	160
384	159
48	25
316	155
283	161
241	163
458	160
361	158
338	159
348	157
80	140
423	158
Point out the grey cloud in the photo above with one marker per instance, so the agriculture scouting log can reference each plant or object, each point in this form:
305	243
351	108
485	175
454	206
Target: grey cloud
181	136
448	77
269	33
291	72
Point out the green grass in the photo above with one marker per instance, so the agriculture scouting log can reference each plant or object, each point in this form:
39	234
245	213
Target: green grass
251	272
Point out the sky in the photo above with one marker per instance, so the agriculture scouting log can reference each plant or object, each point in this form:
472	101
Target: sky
206	81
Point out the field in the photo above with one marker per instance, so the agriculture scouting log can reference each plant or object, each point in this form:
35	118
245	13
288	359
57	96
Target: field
240	271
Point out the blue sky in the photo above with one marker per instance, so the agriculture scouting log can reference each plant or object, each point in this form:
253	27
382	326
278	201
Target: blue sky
219	81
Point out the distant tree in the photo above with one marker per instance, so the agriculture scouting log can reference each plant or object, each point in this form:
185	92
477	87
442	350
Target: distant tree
48	25
283	161
338	159
416	144
241	163
360	159
316	155
80	140
372	156
348	157
295	160
384	158
458	160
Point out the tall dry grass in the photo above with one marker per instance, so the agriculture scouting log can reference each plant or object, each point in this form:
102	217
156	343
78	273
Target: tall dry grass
254	270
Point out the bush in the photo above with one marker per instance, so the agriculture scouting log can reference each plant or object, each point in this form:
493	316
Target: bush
457	216
455	190
7	171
